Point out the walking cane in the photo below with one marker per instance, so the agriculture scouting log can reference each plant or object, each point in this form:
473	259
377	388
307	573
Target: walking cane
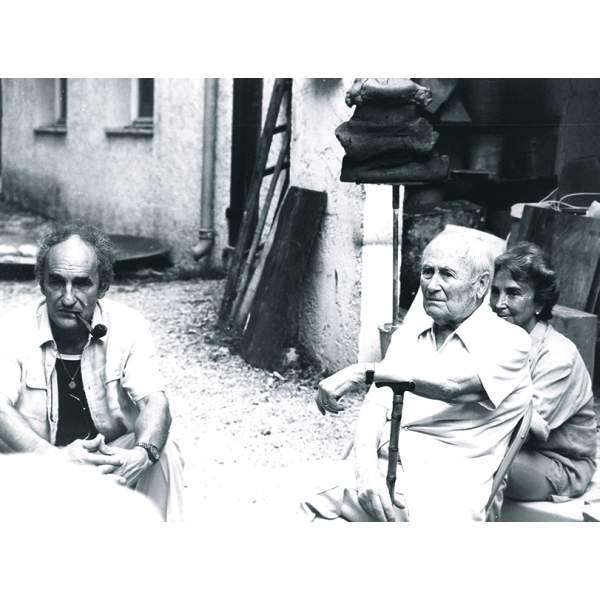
402	386
398	388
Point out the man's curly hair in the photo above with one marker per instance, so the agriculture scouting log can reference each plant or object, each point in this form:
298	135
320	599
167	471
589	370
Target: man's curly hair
97	239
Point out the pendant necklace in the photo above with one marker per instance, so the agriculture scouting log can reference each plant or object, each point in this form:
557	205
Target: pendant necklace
72	385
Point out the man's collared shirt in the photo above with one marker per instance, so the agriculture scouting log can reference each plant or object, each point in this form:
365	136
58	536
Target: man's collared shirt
450	450
117	370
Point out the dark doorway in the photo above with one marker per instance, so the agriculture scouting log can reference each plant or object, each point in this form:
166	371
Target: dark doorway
246	128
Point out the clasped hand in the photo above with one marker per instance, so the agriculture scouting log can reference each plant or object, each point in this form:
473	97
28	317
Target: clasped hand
125	466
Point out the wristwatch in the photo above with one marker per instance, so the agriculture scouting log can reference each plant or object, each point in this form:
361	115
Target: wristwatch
369	376
151	449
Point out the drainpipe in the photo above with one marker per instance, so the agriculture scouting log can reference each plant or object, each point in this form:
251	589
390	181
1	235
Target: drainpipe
206	233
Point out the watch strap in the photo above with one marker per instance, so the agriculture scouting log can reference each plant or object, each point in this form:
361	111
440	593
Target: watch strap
152	451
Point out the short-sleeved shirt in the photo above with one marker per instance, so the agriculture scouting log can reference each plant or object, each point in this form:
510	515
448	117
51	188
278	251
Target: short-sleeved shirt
450	450
563	398
117	370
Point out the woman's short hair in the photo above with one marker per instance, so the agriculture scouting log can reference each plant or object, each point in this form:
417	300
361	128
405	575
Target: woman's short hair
97	239
528	263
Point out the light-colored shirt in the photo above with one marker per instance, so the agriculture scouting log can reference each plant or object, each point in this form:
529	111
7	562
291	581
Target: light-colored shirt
563	398
449	451
117	370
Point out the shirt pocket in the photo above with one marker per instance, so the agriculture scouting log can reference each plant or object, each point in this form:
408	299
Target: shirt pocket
33	401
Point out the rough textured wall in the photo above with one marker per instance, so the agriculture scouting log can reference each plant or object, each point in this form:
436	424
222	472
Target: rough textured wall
28	172
135	185
330	322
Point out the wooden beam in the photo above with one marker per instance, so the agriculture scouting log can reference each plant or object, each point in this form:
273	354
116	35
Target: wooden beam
273	319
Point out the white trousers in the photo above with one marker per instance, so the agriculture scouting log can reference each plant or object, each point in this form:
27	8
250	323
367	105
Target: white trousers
162	482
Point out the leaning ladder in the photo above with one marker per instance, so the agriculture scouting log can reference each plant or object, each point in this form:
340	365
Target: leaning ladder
249	236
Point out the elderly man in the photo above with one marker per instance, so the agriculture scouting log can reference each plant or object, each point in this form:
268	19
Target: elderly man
472	386
79	376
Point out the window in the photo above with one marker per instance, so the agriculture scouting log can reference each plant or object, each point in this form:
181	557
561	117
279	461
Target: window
60	101
130	107
51	106
142	102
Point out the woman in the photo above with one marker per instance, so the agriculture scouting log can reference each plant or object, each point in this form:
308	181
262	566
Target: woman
558	459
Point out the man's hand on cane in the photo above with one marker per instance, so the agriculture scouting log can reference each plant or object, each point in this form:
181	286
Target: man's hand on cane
374	497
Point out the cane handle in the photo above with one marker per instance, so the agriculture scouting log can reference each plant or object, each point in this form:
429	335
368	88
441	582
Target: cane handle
398	387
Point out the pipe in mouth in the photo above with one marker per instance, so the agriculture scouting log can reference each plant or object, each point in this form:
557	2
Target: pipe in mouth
97	332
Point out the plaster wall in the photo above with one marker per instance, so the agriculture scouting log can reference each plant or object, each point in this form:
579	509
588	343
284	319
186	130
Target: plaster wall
133	185
331	306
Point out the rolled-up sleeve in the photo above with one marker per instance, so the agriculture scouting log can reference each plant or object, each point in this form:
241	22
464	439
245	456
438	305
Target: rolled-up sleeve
10	366
10	377
501	362
141	373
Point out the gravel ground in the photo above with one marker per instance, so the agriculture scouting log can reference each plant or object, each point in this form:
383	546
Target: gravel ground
240	428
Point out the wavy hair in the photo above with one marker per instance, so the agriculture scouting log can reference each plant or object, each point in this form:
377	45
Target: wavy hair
476	251
94	237
528	263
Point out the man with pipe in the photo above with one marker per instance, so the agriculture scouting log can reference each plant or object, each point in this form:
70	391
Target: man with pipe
472	386
79	377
